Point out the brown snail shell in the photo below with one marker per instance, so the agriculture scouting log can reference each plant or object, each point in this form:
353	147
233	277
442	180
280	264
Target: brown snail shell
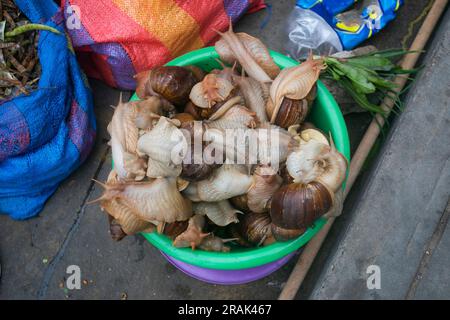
174	229
196	172
295	82
291	112
184	117
298	205
240	202
198	72
193	110
254	228
281	234
192	170
170	82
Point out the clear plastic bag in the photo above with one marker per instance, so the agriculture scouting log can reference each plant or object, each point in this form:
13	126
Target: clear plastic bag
307	31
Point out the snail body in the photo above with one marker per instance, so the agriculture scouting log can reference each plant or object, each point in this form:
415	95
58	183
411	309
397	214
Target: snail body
265	182
193	235
201	148
260	53
315	161
294	83
156	200
150	110
124	138
125	217
253	92
221	108
275	144
226	182
122	218
226	72
174	229
221	213
158	169
237	117
160	142
231	47
215	244
301	161
211	90
147	111
250	52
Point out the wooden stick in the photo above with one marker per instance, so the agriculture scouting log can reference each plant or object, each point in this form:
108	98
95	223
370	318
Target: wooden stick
408	62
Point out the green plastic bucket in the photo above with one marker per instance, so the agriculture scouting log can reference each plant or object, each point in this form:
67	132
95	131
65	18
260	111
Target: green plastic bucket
325	114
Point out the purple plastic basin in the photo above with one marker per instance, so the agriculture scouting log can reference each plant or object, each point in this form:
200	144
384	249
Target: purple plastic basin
228	277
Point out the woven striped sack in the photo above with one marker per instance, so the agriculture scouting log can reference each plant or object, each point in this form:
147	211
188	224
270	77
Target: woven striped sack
115	39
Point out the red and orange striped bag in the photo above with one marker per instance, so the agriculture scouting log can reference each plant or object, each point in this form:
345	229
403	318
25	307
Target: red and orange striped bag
115	39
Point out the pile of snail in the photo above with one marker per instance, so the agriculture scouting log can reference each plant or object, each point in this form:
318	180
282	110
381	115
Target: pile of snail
208	205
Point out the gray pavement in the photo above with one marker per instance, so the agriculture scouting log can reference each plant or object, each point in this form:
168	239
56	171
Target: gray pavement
400	221
35	254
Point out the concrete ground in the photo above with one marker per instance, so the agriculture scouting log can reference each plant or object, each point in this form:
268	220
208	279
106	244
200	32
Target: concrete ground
35	254
399	222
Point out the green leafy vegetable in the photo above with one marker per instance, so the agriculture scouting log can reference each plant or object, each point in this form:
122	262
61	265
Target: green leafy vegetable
368	75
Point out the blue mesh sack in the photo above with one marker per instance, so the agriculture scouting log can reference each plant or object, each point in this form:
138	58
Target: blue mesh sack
47	134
